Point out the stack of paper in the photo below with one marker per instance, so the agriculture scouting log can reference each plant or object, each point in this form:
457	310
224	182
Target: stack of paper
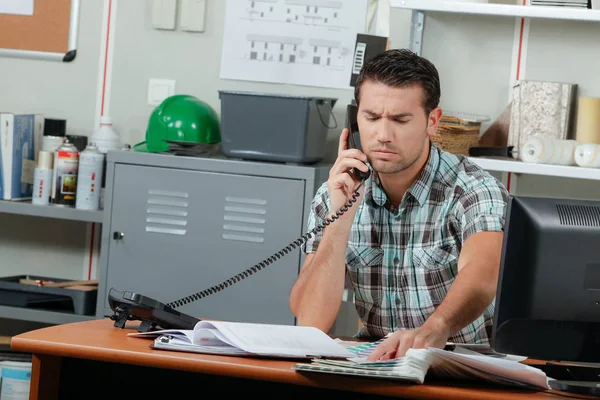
469	365
457	134
561	3
454	124
250	339
460	364
327	355
411	368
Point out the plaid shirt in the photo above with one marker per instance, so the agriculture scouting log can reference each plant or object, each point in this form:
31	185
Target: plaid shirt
402	261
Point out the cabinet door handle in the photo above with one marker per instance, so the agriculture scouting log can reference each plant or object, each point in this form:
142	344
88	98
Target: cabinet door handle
118	235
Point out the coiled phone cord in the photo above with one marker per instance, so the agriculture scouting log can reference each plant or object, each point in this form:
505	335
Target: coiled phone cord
257	267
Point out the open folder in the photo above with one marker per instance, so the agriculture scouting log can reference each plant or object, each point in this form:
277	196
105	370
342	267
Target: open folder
250	339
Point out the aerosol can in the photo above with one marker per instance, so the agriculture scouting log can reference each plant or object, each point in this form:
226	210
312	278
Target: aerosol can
89	178
64	179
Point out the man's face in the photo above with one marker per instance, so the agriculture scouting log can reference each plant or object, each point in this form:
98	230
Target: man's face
393	125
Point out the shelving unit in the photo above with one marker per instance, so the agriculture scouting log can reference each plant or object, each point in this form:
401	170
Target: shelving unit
54	212
45	317
420	7
50	211
507	10
519	167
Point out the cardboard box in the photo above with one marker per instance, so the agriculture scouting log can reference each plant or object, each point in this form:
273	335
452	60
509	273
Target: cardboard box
16	156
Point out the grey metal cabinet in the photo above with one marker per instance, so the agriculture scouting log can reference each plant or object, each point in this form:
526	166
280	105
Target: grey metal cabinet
177	225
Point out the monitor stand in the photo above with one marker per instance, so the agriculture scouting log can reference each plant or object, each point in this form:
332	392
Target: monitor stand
580	378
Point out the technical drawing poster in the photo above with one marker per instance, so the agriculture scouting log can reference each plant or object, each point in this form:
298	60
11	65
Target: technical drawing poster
20	7
302	42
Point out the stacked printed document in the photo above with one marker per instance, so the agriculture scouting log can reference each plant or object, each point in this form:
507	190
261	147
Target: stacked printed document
411	368
460	364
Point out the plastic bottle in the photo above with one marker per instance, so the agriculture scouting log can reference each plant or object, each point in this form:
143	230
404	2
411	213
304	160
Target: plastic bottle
106	139
105	136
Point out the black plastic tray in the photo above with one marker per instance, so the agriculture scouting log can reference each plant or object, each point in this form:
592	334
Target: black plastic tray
15	294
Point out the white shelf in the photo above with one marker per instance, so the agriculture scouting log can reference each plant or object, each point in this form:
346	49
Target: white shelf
49	211
507	10
42	316
519	167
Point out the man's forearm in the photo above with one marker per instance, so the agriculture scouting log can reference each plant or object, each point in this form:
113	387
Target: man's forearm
470	294
317	295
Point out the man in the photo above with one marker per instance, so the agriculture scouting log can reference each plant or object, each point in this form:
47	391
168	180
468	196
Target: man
422	244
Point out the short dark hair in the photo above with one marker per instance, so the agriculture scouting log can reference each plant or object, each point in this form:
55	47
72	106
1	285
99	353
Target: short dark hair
402	68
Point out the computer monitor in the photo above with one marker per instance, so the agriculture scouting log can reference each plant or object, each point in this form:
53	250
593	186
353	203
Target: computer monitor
548	296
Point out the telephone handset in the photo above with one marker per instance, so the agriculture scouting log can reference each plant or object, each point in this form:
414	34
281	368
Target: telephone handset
156	315
354	137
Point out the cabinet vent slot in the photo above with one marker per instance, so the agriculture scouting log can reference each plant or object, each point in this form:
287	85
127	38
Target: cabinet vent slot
244	219
168	193
167	212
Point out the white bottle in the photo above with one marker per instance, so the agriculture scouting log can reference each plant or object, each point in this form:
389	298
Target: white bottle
42	178
105	136
106	139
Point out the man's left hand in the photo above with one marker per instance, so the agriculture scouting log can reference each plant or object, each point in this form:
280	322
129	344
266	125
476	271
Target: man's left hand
396	345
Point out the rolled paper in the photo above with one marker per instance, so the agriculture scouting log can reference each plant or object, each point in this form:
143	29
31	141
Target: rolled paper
548	151
588	155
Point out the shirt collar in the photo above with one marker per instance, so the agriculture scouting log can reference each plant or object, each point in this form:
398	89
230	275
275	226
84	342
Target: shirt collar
420	188
374	194
422	185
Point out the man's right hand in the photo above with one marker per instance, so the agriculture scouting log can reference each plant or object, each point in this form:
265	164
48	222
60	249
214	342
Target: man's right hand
342	183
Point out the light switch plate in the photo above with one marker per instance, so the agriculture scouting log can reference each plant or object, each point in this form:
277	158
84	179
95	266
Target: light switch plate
164	14
160	89
192	15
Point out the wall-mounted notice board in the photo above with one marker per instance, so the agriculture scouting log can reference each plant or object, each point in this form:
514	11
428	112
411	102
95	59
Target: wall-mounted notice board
50	33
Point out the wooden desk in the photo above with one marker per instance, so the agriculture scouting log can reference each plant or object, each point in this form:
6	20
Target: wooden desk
93	357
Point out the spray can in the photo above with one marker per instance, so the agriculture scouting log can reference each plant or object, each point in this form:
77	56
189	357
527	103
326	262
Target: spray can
64	179
89	178
42	178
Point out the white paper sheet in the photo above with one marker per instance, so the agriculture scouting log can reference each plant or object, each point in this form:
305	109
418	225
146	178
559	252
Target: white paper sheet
278	339
303	42
496	367
21	7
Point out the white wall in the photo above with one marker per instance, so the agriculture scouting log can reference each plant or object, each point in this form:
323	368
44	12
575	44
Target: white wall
473	57
57	89
192	59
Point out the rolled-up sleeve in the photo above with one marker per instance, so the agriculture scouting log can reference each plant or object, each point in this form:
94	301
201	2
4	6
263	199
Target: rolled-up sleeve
319	209
482	207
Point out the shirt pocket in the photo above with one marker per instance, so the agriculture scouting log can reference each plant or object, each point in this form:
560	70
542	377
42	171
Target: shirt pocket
436	257
364	265
435	268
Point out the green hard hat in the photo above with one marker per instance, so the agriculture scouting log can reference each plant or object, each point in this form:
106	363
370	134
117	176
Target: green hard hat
180	119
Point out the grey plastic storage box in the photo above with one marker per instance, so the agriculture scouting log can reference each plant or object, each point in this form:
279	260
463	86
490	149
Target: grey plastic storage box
273	127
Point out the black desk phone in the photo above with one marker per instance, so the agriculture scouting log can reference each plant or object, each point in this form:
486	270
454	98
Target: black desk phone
156	315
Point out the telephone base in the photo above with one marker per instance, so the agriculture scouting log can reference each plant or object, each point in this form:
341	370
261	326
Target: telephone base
586	388
153	314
